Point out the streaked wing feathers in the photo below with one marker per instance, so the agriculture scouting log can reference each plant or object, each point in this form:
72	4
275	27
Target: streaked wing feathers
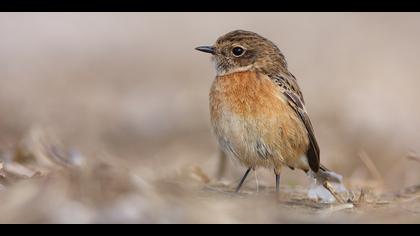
294	95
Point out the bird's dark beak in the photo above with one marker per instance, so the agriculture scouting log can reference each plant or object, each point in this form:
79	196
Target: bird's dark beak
208	49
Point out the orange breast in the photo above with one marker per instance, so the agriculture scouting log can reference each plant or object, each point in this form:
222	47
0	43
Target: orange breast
247	94
248	112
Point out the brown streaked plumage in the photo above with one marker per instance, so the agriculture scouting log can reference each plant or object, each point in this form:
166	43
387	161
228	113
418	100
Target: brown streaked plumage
257	108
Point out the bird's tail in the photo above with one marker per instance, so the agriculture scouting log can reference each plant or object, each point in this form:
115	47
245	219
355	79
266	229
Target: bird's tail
318	188
322	167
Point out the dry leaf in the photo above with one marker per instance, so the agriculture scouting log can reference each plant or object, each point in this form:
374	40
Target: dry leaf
19	170
42	148
2	175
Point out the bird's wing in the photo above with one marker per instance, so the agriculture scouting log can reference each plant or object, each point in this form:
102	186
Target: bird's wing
292	92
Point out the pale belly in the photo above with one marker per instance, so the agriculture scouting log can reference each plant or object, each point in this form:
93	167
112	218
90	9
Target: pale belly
254	123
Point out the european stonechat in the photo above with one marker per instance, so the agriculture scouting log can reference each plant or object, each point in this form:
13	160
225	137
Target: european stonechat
257	109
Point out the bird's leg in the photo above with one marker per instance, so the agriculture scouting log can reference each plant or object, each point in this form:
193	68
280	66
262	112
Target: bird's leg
222	164
242	180
277	183
256	181
277	173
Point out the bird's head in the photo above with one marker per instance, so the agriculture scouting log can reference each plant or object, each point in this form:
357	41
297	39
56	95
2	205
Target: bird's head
242	50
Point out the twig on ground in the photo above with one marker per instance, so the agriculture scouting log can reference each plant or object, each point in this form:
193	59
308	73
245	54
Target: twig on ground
371	166
361	199
334	209
332	190
413	157
199	174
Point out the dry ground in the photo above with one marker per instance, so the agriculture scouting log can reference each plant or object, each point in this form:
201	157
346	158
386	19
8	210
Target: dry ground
104	118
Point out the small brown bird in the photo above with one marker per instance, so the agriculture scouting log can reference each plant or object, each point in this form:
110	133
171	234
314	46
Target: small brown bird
257	109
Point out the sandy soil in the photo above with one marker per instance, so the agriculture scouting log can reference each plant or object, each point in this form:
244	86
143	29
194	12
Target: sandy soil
104	118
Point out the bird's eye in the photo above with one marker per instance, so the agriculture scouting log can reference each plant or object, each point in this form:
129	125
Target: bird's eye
238	51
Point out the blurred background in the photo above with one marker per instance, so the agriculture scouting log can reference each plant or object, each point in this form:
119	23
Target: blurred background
130	87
